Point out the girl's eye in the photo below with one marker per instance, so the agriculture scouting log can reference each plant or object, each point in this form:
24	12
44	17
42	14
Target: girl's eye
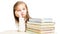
23	8
18	10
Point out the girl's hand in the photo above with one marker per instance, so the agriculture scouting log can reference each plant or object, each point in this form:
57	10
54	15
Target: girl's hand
20	15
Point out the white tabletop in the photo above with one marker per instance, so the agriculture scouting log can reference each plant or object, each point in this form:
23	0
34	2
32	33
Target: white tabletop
14	32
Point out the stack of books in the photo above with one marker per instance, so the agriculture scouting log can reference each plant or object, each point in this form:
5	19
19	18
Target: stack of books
39	27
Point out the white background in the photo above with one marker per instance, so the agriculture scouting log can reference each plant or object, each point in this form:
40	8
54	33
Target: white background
37	9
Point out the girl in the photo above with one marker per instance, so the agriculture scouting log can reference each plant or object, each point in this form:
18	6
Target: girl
20	10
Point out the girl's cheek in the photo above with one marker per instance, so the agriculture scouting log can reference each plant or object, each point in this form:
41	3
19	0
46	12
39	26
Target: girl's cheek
25	12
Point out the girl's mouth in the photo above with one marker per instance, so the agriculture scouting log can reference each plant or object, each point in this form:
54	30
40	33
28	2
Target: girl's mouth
22	14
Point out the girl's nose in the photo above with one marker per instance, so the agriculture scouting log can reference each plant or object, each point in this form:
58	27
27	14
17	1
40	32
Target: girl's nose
21	11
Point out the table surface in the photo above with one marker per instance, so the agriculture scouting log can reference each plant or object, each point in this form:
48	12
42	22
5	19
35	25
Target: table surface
16	32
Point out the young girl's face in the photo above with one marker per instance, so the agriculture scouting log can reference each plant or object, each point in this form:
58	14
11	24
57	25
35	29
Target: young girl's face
20	10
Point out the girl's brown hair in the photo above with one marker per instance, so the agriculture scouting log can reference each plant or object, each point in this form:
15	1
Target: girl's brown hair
16	4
